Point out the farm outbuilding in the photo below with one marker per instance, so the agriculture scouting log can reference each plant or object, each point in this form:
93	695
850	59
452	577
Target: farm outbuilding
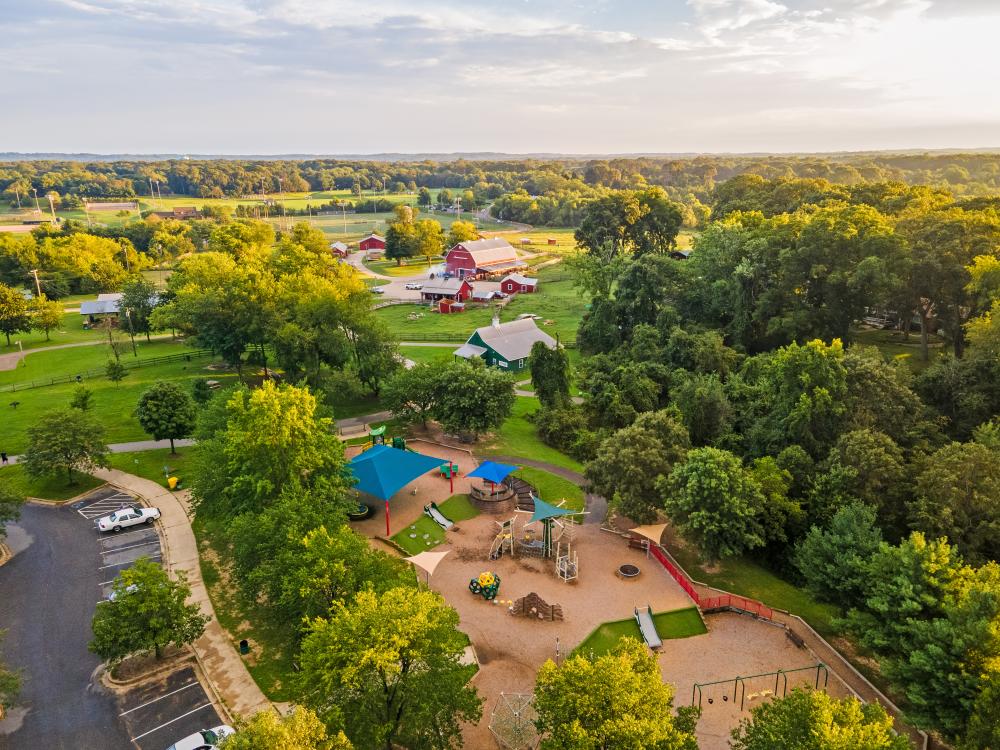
339	249
516	283
482	258
505	345
446	306
458	290
105	304
372	242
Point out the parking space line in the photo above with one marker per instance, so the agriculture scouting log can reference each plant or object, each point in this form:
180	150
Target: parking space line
131	546
154	729
167	695
129	562
103	539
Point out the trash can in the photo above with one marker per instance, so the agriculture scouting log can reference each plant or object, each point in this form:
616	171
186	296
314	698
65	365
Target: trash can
244	647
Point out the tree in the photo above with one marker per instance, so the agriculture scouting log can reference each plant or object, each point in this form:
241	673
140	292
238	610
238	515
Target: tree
716	502
781	517
428	239
201	391
406	687
461	231
876	472
631	461
45	314
958	496
983	728
64	441
299	730
412	394
812	720
400	241
139	297
473	398
834	561
115	371
10	507
702	402
14	315
616	700
149	611
630	221
549	374
82	398
167	412
424	197
10	683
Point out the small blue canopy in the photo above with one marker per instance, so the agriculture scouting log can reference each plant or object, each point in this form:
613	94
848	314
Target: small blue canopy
491	471
544	511
383	471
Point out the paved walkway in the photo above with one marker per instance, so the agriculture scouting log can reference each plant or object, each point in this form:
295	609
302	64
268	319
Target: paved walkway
217	654
596	504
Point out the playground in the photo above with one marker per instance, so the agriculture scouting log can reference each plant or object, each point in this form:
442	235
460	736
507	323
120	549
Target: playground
535	579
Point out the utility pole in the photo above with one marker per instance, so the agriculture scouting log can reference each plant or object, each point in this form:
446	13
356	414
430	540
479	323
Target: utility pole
38	286
131	331
86	211
52	208
38	209
17	194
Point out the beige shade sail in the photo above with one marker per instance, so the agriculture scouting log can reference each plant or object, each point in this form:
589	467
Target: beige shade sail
654	532
427	561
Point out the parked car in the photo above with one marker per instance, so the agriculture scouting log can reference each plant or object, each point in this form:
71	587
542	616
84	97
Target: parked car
127	515
378	290
500	295
204	739
130	589
415	286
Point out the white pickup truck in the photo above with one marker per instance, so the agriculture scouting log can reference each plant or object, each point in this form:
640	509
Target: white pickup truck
127	515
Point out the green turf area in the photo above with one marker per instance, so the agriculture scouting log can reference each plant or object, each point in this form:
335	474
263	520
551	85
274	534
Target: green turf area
70	331
15	479
552	489
678	623
426	534
517	437
84	360
112	405
745	577
894	347
428	354
344	408
409	267
271	660
149	464
556	300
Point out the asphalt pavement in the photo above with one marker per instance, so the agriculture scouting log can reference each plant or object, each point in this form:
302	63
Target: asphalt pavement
61	569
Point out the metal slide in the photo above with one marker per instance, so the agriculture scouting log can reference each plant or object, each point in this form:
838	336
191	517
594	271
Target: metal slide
646	626
436	516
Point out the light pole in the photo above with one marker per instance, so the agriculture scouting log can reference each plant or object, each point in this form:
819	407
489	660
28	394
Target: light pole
38	209
38	287
52	208
17	194
343	209
131	331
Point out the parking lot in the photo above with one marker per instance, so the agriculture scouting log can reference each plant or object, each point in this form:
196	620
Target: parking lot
52	586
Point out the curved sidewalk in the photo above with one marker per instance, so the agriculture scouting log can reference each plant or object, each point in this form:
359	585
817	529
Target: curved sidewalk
219	659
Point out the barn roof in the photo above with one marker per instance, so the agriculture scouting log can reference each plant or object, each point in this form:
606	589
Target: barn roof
373	236
489	252
519	279
338	246
514	340
443	286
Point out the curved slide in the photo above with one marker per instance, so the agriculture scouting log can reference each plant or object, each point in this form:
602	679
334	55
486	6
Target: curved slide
647	627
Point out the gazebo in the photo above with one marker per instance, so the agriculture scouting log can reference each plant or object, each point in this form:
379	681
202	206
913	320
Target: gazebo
493	496
382	471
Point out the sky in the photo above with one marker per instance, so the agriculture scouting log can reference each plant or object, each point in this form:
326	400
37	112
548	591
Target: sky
515	76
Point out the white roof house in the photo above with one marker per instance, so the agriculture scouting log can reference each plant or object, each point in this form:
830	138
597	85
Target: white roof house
507	345
105	304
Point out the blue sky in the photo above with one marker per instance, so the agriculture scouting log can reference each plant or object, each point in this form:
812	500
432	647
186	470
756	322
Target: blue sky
590	76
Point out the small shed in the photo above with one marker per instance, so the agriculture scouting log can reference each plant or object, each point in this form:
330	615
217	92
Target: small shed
339	249
552	241
446	306
458	290
516	283
372	242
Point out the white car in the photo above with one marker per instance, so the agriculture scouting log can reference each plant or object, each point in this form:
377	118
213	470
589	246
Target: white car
127	515
204	739
524	316
414	286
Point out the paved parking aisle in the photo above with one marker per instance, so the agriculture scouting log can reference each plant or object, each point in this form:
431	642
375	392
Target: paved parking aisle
102	502
158	714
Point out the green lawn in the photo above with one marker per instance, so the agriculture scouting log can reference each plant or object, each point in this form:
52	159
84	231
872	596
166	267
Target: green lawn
70	331
49	488
112	405
678	623
893	346
428	354
517	437
409	267
424	534
748	578
343	408
552	489
149	464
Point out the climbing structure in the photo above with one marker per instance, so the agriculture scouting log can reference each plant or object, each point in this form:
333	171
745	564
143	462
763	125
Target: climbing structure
567	564
513	721
535	607
503	543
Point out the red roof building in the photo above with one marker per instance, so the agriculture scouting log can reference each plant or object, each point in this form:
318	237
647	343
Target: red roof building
372	242
515	283
458	290
482	258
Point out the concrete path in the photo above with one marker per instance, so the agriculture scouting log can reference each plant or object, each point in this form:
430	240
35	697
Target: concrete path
216	653
596	504
9	361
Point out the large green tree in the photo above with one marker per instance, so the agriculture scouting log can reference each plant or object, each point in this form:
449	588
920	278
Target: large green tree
812	720
14	315
716	502
148	612
412	394
167	412
63	442
386	668
299	730
139	297
46	315
10	683
616	700
550	374
473	398
631	221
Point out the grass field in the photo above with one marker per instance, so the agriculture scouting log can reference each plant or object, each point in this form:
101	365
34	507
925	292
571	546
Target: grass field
892	346
427	354
112	405
149	464
424	533
552	489
678	623
557	301
517	437
17	481
70	331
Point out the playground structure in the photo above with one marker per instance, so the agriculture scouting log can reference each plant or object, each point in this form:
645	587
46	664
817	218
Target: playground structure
495	495
434	513
512	722
644	618
567	563
533	606
503	543
486	585
739	684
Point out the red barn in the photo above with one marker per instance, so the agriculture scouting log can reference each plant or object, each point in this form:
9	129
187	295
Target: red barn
457	290
372	242
446	305
339	249
482	257
516	283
